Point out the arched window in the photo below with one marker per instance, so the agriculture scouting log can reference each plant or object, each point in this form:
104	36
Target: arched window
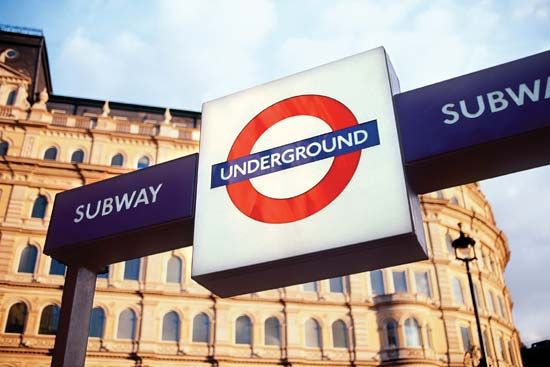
391	334
143	162
127	325
310	287
457	292
27	262
171	327
97	323
340	334
57	268
454	200
243	330
131	269
336	285
17	318
39	207
439	195
201	328
174	270
117	160
49	320
412	333
51	154
313	334
77	156
4	146
11	98
377	282
272	331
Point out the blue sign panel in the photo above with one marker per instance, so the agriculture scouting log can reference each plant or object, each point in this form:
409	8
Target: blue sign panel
503	111
132	215
294	154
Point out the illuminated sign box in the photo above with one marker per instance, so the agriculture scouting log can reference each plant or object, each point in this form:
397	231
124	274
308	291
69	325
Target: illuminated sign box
302	179
132	215
481	125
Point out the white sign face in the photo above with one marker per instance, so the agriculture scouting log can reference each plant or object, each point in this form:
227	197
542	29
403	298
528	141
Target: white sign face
299	176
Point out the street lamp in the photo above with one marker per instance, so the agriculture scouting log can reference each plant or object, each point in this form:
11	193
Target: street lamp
465	252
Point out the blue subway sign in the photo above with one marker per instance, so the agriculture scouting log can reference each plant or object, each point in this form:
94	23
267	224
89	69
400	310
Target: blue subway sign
294	154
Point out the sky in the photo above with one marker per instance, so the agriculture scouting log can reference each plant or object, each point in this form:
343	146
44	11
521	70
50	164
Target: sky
179	54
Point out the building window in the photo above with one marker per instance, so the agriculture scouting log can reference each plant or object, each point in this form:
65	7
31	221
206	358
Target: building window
27	262
449	243
340	334
377	282
97	323
454	200
12	97
478	298
4	146
501	309
488	348
502	348
490	302
174	270
57	268
127	325
171	327
201	328
77	156
17	318
512	351
51	154
466	338
117	160
143	162
39	207
49	320
243	330
272	331
310	287
457	292
313	334
391	334
423	286
493	302
412	333
400	282
336	285
131	269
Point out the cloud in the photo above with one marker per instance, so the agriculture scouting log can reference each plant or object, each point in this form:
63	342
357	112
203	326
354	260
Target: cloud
187	52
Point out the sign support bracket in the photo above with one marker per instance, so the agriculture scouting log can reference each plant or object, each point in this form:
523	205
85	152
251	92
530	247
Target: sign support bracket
71	340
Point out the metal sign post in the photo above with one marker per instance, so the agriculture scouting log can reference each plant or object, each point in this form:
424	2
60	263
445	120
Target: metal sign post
76	307
129	216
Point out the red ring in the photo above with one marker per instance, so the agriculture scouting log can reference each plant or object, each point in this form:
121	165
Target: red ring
270	210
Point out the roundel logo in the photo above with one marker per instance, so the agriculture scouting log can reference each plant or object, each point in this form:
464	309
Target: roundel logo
344	143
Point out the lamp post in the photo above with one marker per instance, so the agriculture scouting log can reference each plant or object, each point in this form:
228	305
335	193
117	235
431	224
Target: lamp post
465	252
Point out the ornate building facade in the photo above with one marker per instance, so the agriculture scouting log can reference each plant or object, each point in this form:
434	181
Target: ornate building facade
149	312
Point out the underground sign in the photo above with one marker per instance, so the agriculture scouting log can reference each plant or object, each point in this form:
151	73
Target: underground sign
302	179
